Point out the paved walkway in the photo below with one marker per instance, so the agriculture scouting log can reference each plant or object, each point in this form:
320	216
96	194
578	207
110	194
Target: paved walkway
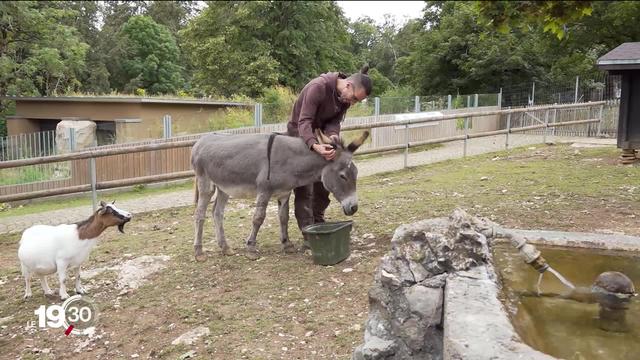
366	167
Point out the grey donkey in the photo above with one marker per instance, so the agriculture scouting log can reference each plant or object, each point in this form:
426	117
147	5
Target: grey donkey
240	166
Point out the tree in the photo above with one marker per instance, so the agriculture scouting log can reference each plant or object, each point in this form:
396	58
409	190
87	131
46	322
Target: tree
108	47
380	83
172	14
227	58
243	47
458	54
377	45
552	15
39	55
84	18
149	57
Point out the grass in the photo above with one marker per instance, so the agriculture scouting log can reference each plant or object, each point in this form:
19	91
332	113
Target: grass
264	309
28	174
412	150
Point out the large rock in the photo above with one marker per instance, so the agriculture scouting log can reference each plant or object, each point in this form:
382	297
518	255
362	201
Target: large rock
406	300
85	135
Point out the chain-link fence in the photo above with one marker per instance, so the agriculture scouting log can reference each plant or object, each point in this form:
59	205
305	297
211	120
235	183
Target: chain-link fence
603	87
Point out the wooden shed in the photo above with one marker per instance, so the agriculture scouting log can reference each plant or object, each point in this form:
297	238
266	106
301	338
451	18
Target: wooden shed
625	61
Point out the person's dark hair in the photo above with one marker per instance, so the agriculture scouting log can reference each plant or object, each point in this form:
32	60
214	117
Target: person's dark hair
362	80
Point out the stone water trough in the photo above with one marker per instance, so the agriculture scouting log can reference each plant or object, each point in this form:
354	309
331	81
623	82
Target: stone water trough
436	293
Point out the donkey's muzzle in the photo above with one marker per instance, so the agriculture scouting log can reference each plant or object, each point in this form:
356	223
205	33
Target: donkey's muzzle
350	210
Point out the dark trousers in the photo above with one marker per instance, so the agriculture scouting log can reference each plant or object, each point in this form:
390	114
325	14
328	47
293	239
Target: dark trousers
310	203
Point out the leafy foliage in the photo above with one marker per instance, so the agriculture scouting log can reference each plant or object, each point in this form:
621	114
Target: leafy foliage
268	50
245	47
552	15
149	57
277	104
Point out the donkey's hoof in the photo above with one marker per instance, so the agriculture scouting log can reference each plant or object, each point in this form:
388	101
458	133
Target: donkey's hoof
289	248
201	257
252	254
227	251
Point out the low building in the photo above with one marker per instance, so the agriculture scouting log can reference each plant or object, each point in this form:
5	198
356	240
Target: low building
118	119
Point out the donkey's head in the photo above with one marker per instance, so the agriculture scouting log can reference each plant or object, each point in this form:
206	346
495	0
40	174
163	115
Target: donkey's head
339	176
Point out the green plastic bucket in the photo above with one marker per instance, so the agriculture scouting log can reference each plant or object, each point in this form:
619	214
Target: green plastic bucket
329	241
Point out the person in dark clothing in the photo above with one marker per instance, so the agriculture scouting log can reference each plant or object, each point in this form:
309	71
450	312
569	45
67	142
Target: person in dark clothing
322	104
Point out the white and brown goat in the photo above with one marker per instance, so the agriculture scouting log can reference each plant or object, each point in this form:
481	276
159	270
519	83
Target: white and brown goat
46	249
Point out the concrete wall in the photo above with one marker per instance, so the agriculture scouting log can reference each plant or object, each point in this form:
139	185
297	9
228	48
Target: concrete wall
20	125
95	111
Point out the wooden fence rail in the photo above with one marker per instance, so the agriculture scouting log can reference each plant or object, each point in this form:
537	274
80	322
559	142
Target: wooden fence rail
405	120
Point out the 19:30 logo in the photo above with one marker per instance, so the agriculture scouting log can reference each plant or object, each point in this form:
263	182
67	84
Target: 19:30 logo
75	315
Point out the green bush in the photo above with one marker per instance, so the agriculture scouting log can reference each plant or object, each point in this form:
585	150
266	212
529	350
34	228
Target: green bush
277	103
234	117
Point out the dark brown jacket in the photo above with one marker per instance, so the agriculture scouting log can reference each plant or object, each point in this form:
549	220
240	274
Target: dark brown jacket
318	107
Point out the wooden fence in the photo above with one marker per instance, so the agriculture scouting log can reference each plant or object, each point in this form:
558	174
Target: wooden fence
160	160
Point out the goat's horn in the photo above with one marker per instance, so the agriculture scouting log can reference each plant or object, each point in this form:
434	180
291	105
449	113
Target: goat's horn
355	144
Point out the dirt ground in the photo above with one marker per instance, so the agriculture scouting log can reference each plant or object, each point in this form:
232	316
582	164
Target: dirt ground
282	306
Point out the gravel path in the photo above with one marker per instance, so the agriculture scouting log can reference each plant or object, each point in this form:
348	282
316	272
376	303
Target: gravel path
366	167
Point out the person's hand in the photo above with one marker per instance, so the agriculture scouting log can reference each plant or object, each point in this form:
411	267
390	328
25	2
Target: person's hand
325	150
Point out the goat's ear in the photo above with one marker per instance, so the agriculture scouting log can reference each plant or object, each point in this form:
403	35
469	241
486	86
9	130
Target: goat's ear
113	202
355	144
102	208
322	138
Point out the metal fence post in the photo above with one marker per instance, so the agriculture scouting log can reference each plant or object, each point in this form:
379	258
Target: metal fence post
533	93
546	126
376	107
506	145
166	122
575	97
475	100
416	106
257	115
468	101
72	139
500	98
448	102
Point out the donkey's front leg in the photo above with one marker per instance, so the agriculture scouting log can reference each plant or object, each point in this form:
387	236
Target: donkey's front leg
283	215
258	218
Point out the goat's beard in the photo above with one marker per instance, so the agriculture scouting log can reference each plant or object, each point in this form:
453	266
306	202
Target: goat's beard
121	228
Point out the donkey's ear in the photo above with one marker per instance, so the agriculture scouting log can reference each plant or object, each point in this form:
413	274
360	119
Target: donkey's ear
355	144
322	138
